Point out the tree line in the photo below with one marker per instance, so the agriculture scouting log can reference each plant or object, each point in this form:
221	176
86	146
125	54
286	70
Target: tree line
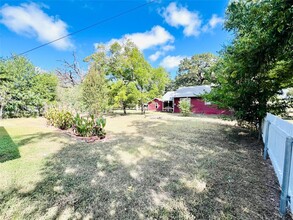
117	77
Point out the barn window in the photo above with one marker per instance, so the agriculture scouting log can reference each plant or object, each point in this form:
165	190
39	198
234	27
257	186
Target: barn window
157	105
207	103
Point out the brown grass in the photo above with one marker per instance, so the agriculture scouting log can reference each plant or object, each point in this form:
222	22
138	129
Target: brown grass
149	167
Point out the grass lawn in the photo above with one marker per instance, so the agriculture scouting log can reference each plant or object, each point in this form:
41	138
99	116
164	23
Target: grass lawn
148	167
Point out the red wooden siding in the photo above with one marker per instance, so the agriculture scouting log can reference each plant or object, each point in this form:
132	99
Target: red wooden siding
152	105
198	106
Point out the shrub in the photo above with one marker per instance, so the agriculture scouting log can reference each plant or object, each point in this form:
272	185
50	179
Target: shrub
51	115
89	126
64	120
59	118
184	106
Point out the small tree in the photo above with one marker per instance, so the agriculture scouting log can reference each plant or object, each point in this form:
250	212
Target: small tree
95	91
185	106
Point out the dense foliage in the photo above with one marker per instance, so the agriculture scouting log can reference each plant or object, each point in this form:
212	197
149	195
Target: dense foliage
194	71
131	78
81	126
95	91
60	118
26	89
185	106
258	64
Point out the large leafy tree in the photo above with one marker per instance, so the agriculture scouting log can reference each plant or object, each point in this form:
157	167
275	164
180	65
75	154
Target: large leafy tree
27	90
150	82
258	64
131	78
195	70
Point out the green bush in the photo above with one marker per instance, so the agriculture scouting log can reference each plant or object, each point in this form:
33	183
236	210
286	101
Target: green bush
51	115
185	106
89	126
59	118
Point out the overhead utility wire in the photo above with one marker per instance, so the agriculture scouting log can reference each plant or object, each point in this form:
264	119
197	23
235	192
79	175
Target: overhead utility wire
90	26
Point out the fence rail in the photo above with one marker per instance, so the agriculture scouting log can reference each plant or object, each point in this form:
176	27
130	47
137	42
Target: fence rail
278	139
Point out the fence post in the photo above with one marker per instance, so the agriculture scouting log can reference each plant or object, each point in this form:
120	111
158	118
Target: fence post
265	151
286	175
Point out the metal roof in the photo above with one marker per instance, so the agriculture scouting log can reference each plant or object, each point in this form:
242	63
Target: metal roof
168	96
192	91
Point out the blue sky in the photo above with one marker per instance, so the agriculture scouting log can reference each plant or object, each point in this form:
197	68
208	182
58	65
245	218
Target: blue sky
165	31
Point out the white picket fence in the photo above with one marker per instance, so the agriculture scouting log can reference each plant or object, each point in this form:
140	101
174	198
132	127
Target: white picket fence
278	138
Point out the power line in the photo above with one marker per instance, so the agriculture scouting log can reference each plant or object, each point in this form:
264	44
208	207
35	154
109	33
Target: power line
90	26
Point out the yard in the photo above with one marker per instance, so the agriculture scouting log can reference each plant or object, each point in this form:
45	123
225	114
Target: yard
148	167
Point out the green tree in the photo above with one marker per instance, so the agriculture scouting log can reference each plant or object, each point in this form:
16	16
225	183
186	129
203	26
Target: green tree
158	82
4	93
258	64
27	90
95	91
45	88
131	78
149	81
195	70
124	95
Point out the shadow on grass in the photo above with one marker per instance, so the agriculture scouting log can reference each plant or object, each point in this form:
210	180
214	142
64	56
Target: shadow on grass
8	149
171	170
36	137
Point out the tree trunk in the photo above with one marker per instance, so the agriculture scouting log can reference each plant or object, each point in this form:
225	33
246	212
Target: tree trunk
124	109
1	111
142	108
260	128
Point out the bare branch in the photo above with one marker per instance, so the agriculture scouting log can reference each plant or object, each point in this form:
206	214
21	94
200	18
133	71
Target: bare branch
70	74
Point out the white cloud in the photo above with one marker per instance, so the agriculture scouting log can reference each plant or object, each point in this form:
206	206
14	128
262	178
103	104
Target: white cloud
157	36
168	48
177	16
213	22
161	52
31	21
155	56
171	62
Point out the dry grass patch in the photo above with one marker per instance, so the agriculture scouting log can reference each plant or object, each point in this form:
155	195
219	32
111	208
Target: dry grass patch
151	168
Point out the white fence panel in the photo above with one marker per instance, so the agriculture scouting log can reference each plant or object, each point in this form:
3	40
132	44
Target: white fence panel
278	131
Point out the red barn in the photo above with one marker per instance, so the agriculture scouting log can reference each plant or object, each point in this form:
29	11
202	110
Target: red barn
155	105
170	101
198	105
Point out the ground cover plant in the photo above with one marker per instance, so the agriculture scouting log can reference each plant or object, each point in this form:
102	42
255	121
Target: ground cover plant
89	126
153	167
